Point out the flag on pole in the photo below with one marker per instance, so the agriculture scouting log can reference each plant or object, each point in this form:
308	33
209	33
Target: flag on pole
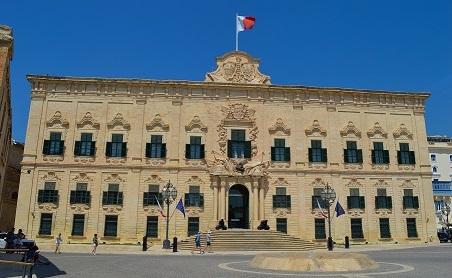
180	206
160	208
339	209
245	22
321	210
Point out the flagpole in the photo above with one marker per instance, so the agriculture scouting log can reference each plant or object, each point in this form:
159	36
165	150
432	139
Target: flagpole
236	34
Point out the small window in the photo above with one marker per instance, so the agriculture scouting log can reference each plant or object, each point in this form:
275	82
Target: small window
381	192
356	228
45	227
49	186
411	227
435	169
152	226
193	226
82	186
153	188
408	192
354	191
320	228
281	225
194	189
433	157
78	225
280	191
111	225
450	158
385	231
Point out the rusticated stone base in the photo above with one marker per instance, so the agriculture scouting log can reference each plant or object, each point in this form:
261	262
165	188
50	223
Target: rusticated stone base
314	261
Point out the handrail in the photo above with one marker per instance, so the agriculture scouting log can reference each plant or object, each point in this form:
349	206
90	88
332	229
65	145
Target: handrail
14	250
24	264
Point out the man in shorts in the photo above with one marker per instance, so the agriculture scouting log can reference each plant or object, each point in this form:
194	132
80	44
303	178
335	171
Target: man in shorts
208	242
198	244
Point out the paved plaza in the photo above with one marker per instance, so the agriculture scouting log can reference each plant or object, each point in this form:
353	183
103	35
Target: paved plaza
432	260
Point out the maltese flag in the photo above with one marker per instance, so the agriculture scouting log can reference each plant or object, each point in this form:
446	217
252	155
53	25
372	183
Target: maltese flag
320	209
245	22
160	208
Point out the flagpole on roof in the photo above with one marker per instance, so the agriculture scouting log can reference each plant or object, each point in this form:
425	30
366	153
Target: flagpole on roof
236	33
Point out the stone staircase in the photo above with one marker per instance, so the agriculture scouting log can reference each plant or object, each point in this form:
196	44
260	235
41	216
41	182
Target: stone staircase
251	240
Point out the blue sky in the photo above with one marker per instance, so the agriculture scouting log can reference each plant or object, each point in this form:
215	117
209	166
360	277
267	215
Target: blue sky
381	45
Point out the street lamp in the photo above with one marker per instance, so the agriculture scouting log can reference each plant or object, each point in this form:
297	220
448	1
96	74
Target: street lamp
169	194
328	195
446	211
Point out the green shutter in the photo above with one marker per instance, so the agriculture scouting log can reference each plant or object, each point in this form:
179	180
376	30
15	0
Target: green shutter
146	199
77	148
345	155
229	148
274	201
120	198
359	156
349	202
92	149
412	158
46	147
148	150
108	149
104	198
247	149
72	197
389	202
324	155
415	202
374	160
203	151
314	202
386	156
377	205
187	151
163	150
399	157
88	197
55	197
288	201
404	202
61	148
187	199
201	200
310	155
123	149
272	153
362	202
287	154
41	196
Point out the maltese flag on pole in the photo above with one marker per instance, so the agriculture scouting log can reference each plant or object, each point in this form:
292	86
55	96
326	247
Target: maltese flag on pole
245	22
160	208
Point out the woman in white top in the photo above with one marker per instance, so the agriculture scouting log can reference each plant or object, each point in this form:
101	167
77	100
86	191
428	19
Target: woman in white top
57	243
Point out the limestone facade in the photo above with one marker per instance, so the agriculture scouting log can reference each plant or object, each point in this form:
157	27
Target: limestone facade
235	146
6	55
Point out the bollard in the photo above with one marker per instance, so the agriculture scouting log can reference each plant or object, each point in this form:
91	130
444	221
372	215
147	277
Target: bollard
145	243
174	244
347	242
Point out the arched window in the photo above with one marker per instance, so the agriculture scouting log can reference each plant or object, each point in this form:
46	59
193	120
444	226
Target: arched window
435	169
14	196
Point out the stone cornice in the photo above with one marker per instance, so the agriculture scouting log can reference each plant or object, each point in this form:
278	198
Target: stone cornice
143	88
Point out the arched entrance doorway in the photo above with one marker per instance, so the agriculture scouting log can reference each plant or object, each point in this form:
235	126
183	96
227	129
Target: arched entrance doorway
238	212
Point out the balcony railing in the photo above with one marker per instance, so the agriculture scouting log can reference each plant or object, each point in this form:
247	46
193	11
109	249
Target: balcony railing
442	187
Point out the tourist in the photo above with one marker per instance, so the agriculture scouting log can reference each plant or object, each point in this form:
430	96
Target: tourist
95	244
198	243
58	243
209	241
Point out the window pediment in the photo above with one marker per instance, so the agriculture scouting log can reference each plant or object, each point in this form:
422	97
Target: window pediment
402	133
377	132
57	121
154	179
315	130
87	122
279	128
350	131
157	124
118	123
196	126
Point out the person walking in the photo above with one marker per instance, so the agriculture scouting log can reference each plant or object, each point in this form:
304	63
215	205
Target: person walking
198	244
10	240
95	243
208	242
19	237
57	244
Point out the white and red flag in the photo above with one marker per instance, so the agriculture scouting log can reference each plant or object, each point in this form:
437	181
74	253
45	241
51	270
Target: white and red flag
160	208
320	209
243	23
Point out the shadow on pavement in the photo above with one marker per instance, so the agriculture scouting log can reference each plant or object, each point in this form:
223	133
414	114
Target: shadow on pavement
40	270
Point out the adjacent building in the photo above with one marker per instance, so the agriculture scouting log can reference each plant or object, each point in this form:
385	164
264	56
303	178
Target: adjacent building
6	55
99	152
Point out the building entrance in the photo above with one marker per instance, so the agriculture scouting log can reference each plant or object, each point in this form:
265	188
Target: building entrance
238	212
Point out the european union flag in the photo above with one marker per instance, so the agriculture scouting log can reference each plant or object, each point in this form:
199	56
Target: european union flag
180	206
339	209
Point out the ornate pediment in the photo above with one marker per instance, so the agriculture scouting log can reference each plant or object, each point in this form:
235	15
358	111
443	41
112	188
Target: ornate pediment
196	126
279	128
315	130
381	184
88	122
377	132
221	165
114	178
118	123
237	67
280	182
194	180
57	121
154	179
350	131
318	183
157	124
354	183
238	112
402	133
408	183
82	177
51	176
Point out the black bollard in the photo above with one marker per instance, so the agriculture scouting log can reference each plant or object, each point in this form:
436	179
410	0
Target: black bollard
174	244
145	243
347	242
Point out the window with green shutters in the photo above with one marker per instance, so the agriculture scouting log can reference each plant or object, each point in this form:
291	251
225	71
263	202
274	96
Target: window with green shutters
112	196
352	154
238	147
111	225
404	155
316	152
379	154
354	201
86	146
281	225
49	194
150	197
410	201
356	227
116	148
78	225
152	226
45	225
193	226
81	195
280	152
381	200
281	200
156	149
194	150
194	198
53	146
385	231
411	227
320	232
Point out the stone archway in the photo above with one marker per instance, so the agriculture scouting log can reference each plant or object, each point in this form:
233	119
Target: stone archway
238	211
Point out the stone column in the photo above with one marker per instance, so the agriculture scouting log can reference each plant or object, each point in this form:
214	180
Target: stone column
261	199
255	204
222	198
215	199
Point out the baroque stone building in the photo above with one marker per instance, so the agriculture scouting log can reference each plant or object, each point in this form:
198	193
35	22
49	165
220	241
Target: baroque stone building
6	55
99	152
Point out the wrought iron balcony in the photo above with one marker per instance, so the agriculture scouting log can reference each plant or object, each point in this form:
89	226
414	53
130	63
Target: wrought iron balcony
442	188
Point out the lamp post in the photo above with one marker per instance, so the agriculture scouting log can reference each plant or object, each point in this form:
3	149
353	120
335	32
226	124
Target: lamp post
446	211
169	194
328	195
